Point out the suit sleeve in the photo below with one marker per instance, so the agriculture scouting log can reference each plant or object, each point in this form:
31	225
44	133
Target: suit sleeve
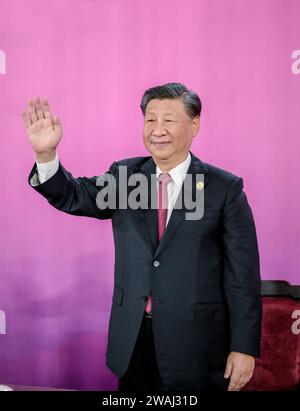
242	282
76	196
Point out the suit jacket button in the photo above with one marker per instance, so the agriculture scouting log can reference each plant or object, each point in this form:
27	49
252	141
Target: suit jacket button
156	263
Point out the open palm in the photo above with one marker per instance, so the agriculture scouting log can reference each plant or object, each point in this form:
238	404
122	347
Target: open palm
44	132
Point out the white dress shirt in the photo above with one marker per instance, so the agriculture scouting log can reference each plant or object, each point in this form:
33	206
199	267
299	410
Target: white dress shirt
178	173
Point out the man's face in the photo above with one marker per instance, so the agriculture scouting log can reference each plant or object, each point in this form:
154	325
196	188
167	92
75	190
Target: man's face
168	130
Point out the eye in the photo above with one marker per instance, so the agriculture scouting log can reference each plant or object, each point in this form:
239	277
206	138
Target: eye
149	120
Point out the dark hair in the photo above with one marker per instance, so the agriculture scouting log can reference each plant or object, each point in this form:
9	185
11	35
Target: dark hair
191	100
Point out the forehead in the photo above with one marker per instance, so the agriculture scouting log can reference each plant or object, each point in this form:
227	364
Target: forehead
165	106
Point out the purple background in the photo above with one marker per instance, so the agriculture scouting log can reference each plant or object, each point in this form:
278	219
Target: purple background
93	60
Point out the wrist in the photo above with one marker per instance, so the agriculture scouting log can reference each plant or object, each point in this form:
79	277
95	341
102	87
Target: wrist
45	157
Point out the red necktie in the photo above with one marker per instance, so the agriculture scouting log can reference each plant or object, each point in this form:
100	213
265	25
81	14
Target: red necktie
164	179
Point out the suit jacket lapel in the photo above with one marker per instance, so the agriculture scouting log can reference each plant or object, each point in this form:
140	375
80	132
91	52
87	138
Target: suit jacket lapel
178	214
148	169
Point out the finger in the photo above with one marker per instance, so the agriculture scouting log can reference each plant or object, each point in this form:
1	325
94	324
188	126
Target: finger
32	113
234	382
244	380
56	122
26	119
47	110
39	110
228	369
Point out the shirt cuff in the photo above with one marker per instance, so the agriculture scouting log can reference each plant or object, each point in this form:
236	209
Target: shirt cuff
46	170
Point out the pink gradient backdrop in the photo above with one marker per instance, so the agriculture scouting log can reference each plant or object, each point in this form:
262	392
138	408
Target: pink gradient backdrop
93	60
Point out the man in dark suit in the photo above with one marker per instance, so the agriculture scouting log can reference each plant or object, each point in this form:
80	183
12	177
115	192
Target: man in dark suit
186	307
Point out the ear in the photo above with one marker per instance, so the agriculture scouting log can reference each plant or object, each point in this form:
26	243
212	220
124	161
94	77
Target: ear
195	125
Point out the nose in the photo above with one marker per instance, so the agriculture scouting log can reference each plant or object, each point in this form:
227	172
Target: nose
159	130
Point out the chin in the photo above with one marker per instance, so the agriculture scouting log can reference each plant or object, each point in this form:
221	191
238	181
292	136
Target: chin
162	155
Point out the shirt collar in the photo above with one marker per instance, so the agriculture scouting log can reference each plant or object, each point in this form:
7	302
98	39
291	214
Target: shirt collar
177	173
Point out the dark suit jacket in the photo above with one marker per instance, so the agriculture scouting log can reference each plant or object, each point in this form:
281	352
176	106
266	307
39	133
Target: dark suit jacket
204	274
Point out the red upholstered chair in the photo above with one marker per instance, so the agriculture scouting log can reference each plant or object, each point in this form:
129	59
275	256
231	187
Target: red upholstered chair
278	368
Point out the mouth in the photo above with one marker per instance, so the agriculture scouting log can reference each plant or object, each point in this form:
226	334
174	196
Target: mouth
161	144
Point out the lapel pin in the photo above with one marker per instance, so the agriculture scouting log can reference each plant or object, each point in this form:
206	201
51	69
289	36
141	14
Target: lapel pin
200	185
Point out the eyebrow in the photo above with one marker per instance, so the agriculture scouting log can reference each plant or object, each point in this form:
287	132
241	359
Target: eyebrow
168	113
